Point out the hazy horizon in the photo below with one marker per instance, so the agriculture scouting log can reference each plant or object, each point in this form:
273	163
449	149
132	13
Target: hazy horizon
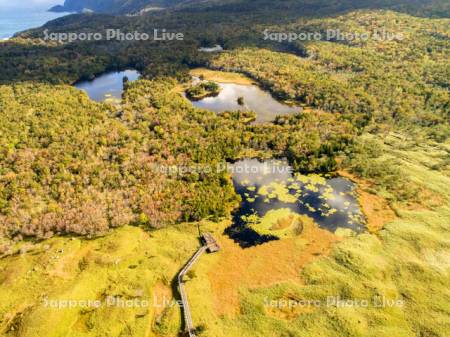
15	18
30	3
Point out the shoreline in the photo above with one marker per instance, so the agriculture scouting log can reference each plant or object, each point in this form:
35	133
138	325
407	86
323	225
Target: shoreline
28	18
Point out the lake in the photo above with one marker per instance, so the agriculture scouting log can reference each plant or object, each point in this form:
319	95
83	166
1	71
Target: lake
272	196
255	99
108	85
17	19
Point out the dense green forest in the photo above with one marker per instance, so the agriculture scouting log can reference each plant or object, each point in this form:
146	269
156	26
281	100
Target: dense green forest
69	165
403	83
53	173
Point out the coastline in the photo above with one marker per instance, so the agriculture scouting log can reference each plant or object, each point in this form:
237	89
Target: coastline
16	20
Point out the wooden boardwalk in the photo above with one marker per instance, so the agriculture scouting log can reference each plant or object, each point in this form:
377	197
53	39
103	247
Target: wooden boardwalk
210	245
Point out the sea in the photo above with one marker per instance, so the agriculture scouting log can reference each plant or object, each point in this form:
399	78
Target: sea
16	19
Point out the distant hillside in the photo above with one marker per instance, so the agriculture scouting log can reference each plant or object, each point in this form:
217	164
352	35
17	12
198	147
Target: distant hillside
111	6
433	8
120	6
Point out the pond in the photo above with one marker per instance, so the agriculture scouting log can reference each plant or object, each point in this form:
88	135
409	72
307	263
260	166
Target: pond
217	48
108	85
276	202
254	99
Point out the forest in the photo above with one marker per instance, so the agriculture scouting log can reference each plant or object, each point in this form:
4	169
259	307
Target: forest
53	174
93	168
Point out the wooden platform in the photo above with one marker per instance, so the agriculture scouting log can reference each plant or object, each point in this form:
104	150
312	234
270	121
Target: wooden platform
211	244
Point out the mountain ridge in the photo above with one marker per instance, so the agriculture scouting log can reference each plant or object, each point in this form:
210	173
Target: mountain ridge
114	6
431	8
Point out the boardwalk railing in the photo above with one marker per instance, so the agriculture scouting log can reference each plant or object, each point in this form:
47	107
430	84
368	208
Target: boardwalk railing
209	245
184	299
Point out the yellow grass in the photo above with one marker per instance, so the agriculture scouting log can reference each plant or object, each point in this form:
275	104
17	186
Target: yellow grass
221	76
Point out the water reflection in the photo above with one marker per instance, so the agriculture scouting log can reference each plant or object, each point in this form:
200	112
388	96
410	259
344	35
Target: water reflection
254	99
109	85
270	185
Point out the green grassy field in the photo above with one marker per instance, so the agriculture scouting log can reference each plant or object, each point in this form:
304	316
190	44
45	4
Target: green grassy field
407	261
128	264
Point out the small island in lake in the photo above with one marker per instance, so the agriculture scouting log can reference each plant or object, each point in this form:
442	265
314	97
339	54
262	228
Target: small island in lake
203	90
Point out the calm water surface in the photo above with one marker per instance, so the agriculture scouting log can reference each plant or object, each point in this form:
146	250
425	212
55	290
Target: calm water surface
14	19
255	99
331	202
109	85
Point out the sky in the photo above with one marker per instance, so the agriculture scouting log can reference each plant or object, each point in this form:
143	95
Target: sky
29	3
